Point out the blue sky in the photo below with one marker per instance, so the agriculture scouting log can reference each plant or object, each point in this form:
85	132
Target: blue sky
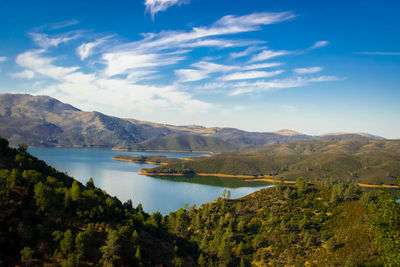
310	66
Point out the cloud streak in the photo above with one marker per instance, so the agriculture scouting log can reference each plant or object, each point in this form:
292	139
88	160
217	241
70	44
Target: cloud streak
308	70
44	41
250	75
268	54
155	6
263	86
319	44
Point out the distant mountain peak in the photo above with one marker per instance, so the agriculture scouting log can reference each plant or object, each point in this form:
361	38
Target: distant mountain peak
288	132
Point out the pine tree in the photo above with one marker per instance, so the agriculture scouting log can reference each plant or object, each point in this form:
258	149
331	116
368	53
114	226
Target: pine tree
110	249
90	183
75	191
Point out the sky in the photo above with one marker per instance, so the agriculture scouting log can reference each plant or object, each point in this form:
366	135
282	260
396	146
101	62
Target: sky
311	66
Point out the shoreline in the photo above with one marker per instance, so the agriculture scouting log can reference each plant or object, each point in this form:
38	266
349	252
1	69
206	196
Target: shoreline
165	151
253	178
141	162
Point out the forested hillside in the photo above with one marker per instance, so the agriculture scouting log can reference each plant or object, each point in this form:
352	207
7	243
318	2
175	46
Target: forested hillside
47	217
187	143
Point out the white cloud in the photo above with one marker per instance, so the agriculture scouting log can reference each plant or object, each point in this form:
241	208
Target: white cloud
44	41
244	53
85	49
262	65
190	75
319	44
202	71
2	59
261	86
226	25
379	53
26	74
268	54
42	65
93	89
263	18
308	70
125	79
169	47
250	75
124	62
155	6
34	61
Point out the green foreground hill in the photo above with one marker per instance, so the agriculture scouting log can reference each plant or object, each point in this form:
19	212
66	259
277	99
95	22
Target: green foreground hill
363	160
48	218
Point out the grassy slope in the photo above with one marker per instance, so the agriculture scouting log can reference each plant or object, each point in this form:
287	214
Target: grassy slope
280	226
367	161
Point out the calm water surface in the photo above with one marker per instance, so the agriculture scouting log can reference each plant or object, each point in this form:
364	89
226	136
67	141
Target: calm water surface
121	179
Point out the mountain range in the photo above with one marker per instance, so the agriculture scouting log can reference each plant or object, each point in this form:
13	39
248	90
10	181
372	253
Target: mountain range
42	121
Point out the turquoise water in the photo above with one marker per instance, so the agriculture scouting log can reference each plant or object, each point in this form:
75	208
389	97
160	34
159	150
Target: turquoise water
121	179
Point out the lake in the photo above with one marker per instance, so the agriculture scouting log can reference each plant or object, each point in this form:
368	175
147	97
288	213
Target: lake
121	179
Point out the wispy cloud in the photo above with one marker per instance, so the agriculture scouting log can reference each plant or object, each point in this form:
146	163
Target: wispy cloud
155	6
125	62
262	86
308	70
137	75
202	71
85	49
378	53
227	25
250	75
262	65
44	41
62	24
268	54
319	44
2	59
58	25
245	52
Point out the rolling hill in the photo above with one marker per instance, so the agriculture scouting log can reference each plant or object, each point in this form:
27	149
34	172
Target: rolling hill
186	143
365	161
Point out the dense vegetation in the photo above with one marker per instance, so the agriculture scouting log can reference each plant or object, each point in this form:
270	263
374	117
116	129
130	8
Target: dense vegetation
365	161
47	217
187	143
